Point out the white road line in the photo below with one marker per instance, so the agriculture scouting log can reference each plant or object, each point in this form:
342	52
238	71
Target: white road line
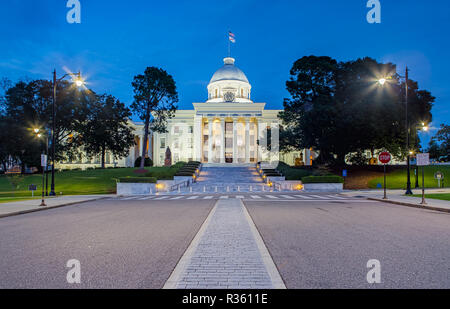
239	196
176	198
161	198
335	196
207	197
192	198
287	196
224	197
271	196
145	198
255	196
128	198
321	197
303	196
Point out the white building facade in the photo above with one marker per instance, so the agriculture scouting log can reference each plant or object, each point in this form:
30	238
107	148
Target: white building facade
228	129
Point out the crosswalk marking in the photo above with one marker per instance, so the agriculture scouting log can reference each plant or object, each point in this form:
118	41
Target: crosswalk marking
321	197
302	196
271	196
291	197
145	198
337	197
161	198
176	198
287	196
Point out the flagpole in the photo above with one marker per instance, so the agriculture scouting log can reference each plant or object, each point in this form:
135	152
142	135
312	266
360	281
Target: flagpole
229	45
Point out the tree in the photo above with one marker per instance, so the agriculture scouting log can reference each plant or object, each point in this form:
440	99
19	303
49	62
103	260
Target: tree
443	136
106	129
339	109
27	105
155	98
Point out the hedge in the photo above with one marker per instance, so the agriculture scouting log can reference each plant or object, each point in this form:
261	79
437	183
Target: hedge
323	179
137	179
147	162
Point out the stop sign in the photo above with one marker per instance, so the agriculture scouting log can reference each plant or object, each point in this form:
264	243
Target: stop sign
384	157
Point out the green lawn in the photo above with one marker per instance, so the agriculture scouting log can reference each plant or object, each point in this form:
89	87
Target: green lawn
96	181
397	179
442	196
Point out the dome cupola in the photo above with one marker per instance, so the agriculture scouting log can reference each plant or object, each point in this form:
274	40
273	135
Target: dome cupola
229	84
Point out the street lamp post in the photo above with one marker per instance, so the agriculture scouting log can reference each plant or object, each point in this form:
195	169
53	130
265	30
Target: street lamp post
382	81
424	128
79	83
44	166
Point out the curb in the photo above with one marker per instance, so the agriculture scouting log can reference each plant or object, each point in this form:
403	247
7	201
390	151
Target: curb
46	208
410	205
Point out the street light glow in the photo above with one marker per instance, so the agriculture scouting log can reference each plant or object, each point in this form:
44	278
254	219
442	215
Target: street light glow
36	131
382	81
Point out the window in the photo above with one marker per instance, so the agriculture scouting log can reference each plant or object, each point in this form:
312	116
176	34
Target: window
162	143
191	129
216	93
242	93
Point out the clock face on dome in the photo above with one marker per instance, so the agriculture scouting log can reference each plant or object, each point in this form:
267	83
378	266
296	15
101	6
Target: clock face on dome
229	97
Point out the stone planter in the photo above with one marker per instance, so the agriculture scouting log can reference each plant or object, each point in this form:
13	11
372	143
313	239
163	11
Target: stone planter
136	188
323	187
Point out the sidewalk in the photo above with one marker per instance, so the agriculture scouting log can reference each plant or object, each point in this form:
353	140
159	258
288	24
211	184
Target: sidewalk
227	253
398	197
21	207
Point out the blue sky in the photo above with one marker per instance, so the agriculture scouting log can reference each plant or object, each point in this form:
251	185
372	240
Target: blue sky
119	39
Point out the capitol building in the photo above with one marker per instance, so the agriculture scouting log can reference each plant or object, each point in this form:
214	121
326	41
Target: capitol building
228	129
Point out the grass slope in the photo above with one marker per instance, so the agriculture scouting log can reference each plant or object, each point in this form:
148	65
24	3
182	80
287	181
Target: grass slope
96	181
397	178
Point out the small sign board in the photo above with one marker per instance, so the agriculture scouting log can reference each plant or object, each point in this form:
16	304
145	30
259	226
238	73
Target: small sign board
384	157
32	188
344	173
438	175
43	160
423	159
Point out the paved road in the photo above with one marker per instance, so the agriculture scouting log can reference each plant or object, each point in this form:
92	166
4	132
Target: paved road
120	244
324	244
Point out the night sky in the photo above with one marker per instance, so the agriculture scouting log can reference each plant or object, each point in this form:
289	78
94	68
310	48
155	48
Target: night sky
119	39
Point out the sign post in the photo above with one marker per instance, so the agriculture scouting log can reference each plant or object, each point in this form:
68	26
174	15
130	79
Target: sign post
423	159
43	164
439	176
32	188
385	158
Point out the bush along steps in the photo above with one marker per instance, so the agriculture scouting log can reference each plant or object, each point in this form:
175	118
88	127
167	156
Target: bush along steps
191	169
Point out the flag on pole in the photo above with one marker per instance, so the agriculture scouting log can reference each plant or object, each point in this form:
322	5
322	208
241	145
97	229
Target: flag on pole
231	37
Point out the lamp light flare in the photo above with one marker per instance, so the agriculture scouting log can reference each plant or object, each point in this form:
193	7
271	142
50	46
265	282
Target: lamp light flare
382	81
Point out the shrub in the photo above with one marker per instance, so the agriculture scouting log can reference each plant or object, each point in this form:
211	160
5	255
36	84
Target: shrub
179	164
323	179
184	174
137	179
147	162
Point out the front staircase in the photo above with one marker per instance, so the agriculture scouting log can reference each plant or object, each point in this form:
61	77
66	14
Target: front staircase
217	179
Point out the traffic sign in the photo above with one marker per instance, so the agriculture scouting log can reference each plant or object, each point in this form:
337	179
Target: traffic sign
384	157
43	160
32	188
423	159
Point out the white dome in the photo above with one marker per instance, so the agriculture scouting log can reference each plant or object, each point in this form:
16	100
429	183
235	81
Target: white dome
229	72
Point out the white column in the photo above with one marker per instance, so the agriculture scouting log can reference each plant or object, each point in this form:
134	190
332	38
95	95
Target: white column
222	138
247	140
210	140
275	142
235	149
198	138
141	143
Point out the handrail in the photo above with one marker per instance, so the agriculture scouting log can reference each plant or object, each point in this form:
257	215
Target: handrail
180	185
277	184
